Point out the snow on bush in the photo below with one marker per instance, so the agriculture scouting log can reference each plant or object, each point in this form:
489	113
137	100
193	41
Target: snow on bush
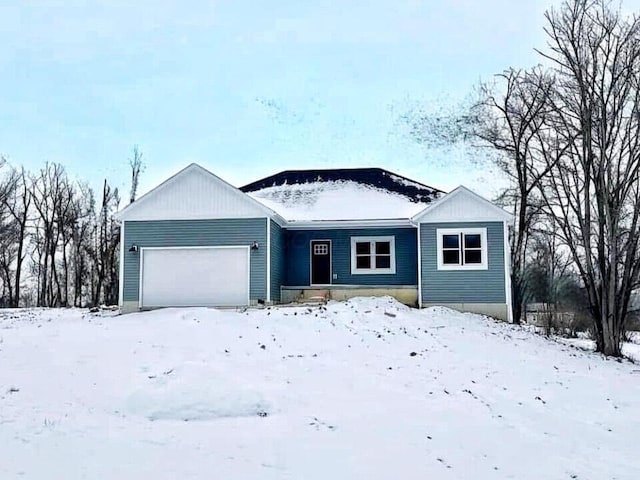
193	392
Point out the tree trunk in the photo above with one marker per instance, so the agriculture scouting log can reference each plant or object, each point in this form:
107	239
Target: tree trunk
65	273
18	272
610	339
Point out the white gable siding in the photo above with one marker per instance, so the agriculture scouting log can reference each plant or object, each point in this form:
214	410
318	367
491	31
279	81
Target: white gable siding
194	194
462	205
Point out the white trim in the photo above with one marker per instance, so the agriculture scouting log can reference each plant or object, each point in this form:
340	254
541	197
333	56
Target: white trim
311	262
419	268
319	224
195	247
268	259
140	275
440	232
372	270
121	268
248	275
346	286
206	216
500	213
507	273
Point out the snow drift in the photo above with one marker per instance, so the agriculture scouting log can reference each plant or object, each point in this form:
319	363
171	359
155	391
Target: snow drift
194	392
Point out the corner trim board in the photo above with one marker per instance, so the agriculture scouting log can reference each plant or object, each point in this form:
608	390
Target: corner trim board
419	246
507	273
268	225
121	268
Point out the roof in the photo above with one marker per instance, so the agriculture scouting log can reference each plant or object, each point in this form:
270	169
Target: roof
336	201
373	177
194	193
311	198
342	194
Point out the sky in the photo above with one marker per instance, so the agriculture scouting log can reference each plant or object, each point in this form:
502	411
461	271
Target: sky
249	88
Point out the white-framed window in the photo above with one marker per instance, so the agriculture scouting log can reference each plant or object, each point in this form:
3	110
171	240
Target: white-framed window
462	248
373	255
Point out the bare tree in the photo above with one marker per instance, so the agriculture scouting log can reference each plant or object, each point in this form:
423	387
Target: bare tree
8	235
510	125
83	218
52	196
52	233
65	223
107	241
568	136
136	168
592	148
17	206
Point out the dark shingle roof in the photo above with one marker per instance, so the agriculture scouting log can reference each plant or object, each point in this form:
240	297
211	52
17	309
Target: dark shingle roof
376	177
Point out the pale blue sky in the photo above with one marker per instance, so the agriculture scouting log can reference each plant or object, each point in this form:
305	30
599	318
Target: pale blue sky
246	88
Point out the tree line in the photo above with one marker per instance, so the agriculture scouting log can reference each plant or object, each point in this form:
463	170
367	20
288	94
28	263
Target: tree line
567	135
59	240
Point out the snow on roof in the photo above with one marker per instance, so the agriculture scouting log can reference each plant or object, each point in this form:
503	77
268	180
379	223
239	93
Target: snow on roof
405	181
339	200
373	177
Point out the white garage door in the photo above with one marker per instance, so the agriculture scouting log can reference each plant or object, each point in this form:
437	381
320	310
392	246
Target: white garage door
194	277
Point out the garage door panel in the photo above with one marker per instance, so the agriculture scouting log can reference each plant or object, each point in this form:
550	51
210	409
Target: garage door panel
195	277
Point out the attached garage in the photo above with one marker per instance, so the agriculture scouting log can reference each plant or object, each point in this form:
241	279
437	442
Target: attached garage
194	276
195	241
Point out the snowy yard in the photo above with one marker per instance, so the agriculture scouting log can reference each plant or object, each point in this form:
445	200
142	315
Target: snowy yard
367	389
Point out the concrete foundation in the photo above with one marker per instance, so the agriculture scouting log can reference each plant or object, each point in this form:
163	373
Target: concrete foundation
406	295
495	310
129	307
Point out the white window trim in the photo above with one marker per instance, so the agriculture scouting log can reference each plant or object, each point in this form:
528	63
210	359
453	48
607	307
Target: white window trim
440	232
374	271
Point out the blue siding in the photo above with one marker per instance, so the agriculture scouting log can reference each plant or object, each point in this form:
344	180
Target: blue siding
460	286
298	256
197	233
278	259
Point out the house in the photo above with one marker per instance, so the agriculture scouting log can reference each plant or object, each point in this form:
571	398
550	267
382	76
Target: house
196	240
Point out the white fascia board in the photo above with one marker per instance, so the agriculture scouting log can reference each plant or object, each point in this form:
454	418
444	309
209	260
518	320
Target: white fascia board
278	219
320	224
191	217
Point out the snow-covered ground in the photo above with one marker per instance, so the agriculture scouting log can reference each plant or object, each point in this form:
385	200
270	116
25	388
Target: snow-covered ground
364	389
630	350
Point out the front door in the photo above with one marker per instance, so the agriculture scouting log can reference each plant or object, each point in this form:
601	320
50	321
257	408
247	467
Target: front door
320	262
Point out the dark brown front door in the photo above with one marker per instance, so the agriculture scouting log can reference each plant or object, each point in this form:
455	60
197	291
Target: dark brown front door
320	262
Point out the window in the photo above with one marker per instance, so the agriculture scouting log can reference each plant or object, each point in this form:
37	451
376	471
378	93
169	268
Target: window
375	255
462	249
321	249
